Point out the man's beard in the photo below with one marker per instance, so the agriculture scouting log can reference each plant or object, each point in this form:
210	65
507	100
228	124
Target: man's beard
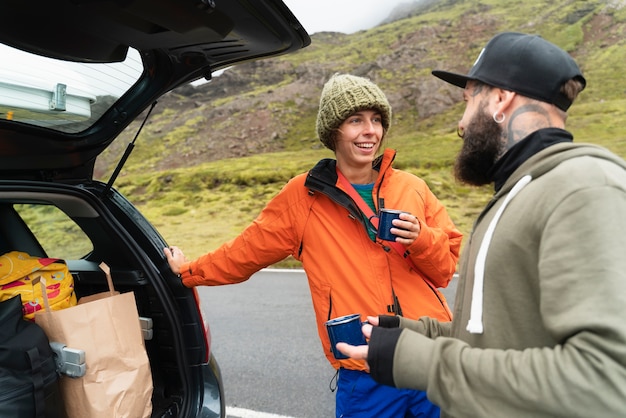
482	146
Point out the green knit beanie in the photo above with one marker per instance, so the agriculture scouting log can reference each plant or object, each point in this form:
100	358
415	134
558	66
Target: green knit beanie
344	95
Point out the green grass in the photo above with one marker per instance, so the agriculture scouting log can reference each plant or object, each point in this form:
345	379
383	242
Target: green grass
200	207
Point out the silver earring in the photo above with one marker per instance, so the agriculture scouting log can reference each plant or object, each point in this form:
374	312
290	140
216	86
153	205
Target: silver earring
495	117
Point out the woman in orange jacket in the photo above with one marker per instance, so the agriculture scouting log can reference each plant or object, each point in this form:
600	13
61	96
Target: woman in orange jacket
316	219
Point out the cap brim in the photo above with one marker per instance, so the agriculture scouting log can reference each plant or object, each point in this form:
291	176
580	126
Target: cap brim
452	78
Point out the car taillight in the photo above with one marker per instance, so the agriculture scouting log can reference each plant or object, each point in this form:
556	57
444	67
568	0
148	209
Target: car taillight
206	329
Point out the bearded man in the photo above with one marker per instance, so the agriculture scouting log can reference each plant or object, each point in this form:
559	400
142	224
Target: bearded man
538	327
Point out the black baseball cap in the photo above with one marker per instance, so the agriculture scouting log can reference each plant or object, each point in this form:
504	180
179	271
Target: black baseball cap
526	64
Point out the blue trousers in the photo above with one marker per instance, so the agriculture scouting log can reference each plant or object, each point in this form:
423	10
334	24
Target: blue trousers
360	396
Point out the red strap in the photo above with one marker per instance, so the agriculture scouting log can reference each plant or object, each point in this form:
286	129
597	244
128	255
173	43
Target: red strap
371	216
374	220
367	211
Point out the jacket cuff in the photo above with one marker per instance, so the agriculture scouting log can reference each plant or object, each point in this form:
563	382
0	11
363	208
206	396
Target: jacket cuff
388	321
382	345
186	275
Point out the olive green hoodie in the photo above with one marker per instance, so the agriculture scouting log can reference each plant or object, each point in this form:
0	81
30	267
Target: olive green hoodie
548	331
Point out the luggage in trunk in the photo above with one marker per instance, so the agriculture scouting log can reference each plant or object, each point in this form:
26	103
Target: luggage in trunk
28	377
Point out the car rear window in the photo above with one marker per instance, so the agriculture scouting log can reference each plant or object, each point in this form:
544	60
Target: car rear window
57	234
61	95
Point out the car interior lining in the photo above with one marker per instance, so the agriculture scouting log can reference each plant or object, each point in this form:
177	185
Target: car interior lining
89	279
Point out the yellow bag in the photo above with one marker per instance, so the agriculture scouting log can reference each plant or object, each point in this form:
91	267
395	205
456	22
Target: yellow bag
18	269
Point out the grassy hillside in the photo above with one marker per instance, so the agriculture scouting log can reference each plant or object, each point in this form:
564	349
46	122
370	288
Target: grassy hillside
211	157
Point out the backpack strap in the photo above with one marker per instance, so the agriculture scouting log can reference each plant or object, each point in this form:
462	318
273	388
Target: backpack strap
36	362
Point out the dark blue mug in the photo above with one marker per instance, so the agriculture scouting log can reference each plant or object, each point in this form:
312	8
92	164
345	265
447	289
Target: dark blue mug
345	329
385	218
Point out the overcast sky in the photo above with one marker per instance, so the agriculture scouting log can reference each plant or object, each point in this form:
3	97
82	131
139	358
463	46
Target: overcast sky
347	16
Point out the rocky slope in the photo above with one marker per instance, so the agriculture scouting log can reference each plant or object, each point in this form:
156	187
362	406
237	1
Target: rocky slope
270	105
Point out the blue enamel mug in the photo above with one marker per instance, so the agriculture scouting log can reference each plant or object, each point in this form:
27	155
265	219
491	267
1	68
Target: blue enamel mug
385	218
345	329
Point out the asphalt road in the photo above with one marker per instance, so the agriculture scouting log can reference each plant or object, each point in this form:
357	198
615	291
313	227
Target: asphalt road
265	341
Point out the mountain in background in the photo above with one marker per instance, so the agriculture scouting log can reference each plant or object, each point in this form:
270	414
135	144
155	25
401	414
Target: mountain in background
270	105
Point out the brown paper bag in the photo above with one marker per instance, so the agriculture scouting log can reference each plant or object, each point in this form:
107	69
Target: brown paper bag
118	379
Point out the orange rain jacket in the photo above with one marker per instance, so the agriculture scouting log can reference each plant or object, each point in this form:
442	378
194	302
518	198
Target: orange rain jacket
316	222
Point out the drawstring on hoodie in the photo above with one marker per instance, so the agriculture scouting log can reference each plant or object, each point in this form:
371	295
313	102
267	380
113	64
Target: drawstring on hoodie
475	323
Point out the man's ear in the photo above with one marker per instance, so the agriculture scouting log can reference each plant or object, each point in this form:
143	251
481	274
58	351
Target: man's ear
502	99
